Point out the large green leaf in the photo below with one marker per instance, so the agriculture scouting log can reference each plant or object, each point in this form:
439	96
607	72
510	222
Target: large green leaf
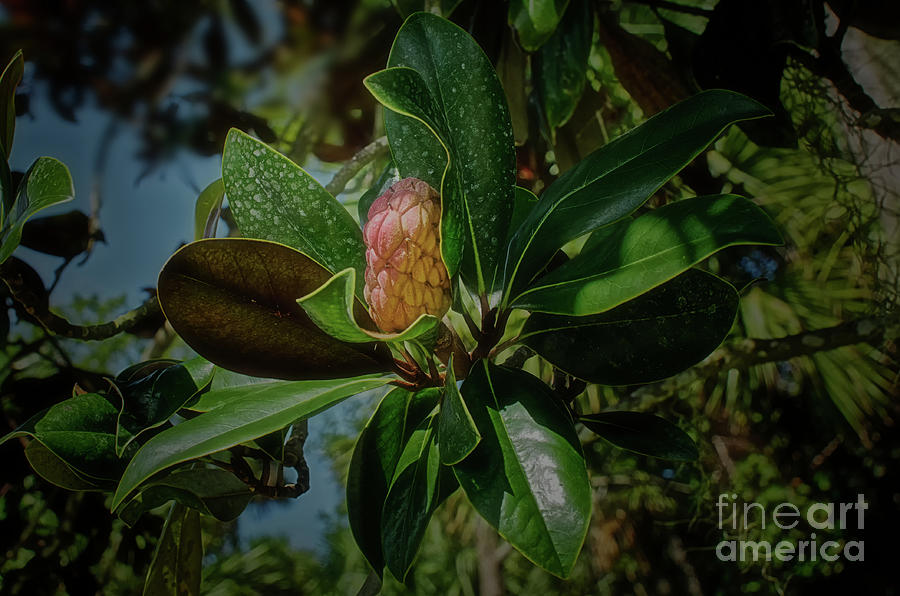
457	434
455	96
208	204
617	178
414	118
240	416
274	199
643	433
562	63
411	499
374	463
636	255
527	477
649	338
47	182
81	431
331	308
9	80
218	493
178	561
234	301
535	20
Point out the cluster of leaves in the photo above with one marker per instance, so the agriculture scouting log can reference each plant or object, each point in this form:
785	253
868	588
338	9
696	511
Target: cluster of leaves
279	319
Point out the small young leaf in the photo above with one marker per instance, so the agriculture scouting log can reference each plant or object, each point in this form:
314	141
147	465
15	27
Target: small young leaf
235	416
151	399
56	471
206	210
643	433
81	431
274	199
177	563
233	300
331	308
457	434
636	255
535	20
654	336
562	63
47	182
527	477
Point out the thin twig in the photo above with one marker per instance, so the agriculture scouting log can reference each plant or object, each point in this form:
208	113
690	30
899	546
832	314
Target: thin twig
57	325
366	155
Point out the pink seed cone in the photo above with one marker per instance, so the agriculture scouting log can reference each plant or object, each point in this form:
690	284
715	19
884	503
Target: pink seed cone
405	276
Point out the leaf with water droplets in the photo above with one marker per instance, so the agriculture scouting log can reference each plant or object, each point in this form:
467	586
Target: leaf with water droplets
272	198
444	97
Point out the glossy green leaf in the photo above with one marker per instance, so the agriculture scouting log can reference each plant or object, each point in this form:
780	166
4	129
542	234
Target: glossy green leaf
457	434
9	80
636	255
214	492
150	399
274	199
81	431
234	301
47	182
411	499
652	337
331	308
617	178
452	107
176	568
235	416
374	463
643	433
56	471
206	209
527	477
535	20
562	63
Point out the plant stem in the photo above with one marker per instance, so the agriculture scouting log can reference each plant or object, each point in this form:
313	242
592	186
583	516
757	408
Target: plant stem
366	155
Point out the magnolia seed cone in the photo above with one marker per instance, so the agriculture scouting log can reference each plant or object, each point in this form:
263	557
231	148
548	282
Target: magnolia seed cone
405	276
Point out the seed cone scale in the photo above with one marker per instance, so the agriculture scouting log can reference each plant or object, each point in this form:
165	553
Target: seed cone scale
405	276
